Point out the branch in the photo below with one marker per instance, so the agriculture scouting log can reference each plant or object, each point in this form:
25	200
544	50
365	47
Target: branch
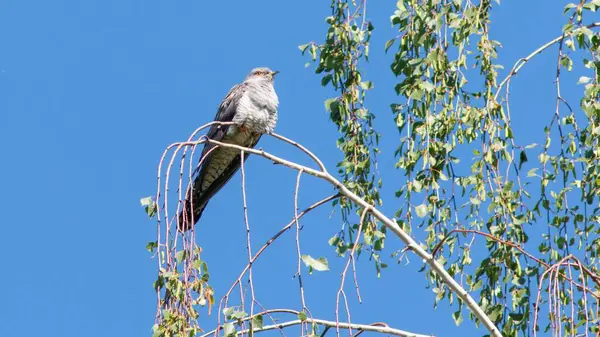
521	62
375	327
272	239
248	242
305	150
358	327
586	270
343	276
390	225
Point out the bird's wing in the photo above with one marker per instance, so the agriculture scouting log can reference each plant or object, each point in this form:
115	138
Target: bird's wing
225	113
199	197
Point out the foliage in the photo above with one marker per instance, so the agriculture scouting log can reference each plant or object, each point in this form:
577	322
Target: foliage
183	287
452	105
337	60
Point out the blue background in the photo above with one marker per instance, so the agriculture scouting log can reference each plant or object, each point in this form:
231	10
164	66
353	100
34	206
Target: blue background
91	92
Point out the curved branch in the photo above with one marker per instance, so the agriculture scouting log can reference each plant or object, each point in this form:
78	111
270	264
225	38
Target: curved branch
390	224
521	62
305	150
358	327
375	327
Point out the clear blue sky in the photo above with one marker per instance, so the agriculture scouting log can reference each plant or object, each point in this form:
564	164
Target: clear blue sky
92	91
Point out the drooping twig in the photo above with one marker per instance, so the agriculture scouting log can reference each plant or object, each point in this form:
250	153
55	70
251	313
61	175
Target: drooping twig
554	275
521	62
167	246
248	242
298	271
343	276
299	254
584	269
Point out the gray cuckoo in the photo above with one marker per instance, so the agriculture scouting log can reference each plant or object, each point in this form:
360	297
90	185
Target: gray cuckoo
252	107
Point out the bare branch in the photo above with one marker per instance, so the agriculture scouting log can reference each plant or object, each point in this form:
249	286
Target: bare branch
248	242
343	276
305	150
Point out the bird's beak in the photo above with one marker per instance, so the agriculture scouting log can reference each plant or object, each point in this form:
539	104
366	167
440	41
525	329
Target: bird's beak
275	73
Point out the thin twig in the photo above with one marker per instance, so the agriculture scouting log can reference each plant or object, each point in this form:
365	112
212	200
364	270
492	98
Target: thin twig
521	62
248	242
305	150
343	276
299	263
586	271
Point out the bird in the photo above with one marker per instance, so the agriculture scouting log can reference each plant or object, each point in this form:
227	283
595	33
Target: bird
252	108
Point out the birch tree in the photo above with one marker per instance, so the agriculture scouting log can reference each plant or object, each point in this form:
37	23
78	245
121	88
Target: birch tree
467	180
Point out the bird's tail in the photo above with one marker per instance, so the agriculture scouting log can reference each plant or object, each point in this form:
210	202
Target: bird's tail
187	217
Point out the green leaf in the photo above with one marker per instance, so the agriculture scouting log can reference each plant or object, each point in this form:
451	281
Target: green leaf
427	86
421	210
457	317
319	264
302	316
388	44
566	62
146	201
149	205
157	331
227	312
366	85
329	103
569	7
531	173
151	246
257	322
303	47
229	329
522	158
180	255
476	285
238	315
334	240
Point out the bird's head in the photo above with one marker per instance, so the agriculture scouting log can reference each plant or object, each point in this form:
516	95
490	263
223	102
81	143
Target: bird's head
262	73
